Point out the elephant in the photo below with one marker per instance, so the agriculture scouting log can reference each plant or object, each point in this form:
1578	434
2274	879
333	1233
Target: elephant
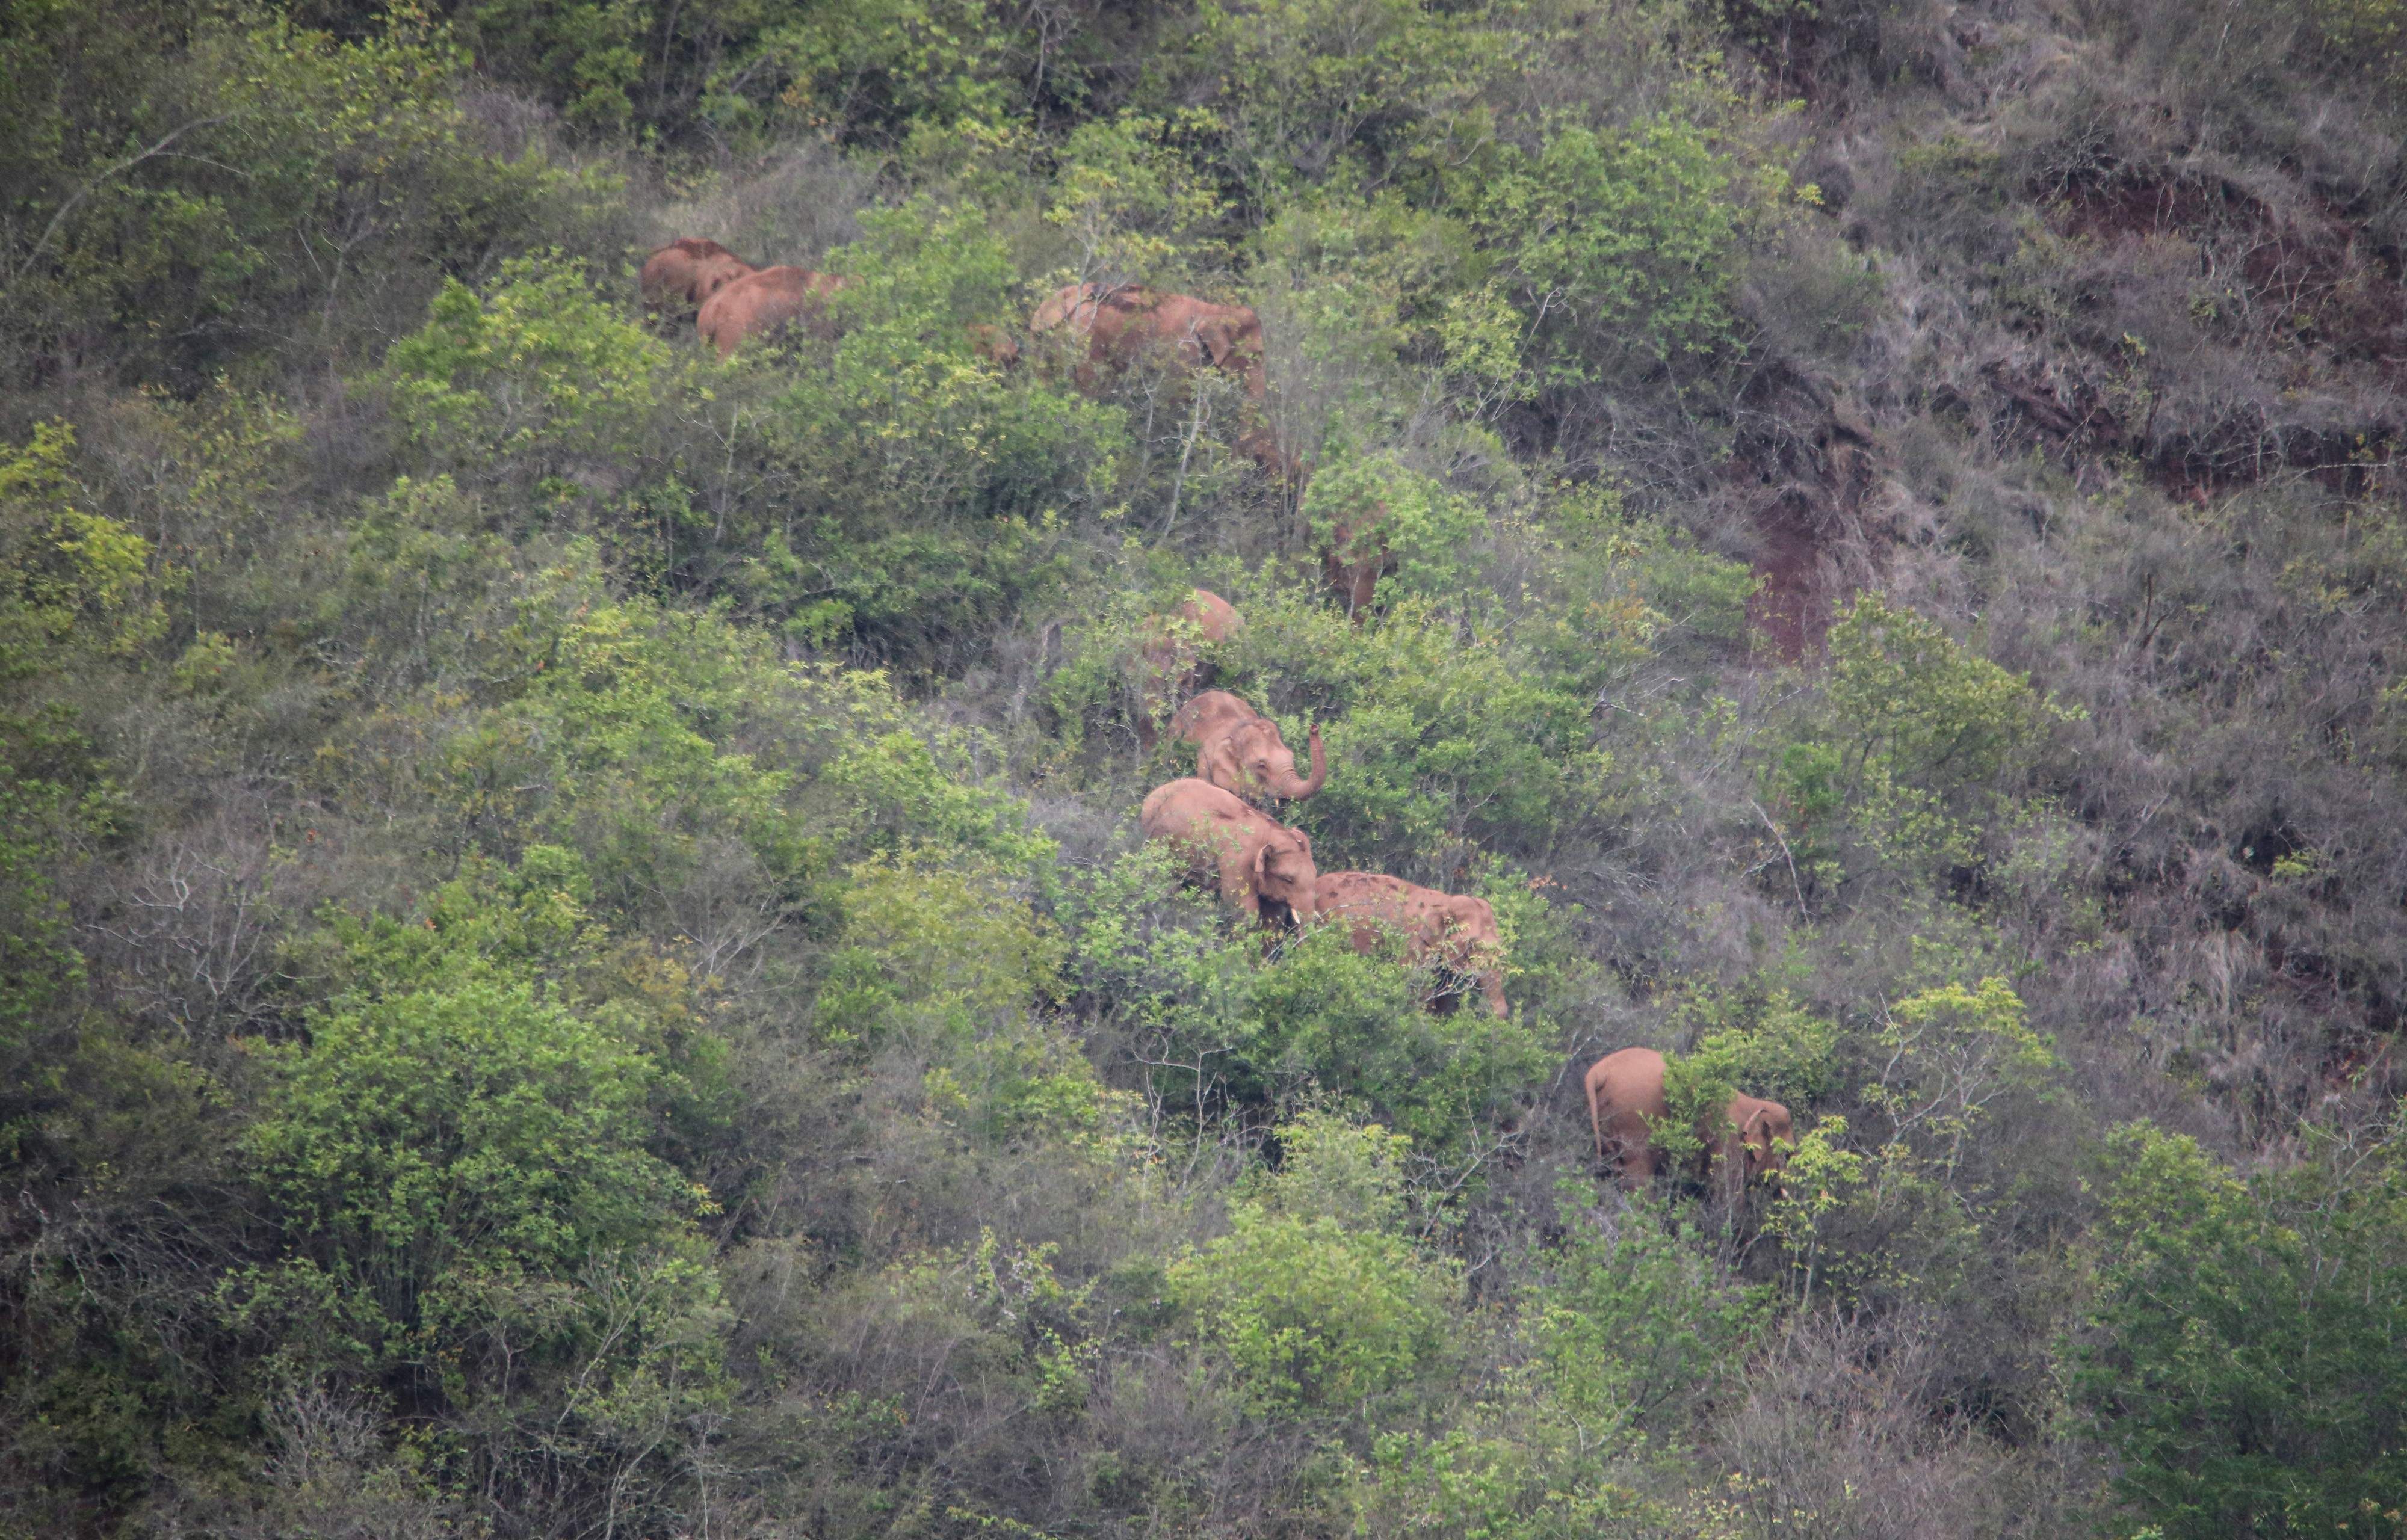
1355	559
1238	749
764	302
1120	324
1456	932
1626	1101
994	344
688	271
1172	668
1265	869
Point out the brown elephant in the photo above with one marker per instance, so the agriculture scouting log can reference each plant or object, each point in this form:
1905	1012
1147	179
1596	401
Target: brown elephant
1121	324
1456	932
764	303
1171	666
683	274
1263	868
1125	323
1355	559
1626	1101
994	344
1240	750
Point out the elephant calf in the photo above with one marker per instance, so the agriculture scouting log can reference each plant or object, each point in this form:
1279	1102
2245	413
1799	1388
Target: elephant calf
1239	750
1625	1103
1263	868
1456	932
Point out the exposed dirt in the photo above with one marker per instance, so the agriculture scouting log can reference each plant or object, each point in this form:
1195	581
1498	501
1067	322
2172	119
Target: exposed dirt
1808	472
2312	289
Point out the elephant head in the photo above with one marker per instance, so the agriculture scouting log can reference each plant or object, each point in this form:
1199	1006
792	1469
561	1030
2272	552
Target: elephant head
1759	1137
688	270
1477	947
1263	868
1283	872
1229	337
1252	756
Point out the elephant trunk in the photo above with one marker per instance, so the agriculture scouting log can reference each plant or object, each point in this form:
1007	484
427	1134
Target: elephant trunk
1285	781
1491	983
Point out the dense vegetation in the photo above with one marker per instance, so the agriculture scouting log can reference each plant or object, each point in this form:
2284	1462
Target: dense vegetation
575	957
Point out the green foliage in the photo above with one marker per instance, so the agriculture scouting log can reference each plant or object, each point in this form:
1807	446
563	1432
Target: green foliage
1422	527
1623	1336
1949	1053
1767	1044
1634	1328
1914	751
1322	1015
536	378
1823	1178
202	189
928	495
2242	1361
1130	204
1306	90
933	951
1314	1018
1619	248
72	583
1318	1302
1449	732
449	1162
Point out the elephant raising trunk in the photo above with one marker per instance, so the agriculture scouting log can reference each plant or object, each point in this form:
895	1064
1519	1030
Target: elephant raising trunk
1298	789
1239	750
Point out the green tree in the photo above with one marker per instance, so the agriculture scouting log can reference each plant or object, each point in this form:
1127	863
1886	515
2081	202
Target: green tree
1318	1300
2242	1352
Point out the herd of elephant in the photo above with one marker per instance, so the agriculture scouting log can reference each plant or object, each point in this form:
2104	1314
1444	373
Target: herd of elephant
1215	819
734	302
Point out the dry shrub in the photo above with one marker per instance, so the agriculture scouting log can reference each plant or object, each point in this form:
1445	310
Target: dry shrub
1842	1436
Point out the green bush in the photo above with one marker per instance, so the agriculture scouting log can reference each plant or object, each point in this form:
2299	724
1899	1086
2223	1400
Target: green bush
1913	754
537	378
1317	1300
2241	1354
198	192
929	495
448	1165
1619	248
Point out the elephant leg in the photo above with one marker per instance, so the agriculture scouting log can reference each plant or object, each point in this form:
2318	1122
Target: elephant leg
1362	586
1237	879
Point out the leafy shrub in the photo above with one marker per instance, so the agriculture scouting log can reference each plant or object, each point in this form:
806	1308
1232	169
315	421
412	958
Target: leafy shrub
930	494
1619	248
1446	733
1317	1300
1913	752
537	378
1305	87
447	1160
1422	526
2242	1360
198	192
944	951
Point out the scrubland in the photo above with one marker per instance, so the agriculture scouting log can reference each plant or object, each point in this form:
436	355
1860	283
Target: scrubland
574	954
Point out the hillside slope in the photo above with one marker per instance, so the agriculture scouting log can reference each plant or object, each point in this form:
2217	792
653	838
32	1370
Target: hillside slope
576	955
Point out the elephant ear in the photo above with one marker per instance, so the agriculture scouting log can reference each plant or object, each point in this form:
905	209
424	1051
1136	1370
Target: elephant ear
1217	339
1261	867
